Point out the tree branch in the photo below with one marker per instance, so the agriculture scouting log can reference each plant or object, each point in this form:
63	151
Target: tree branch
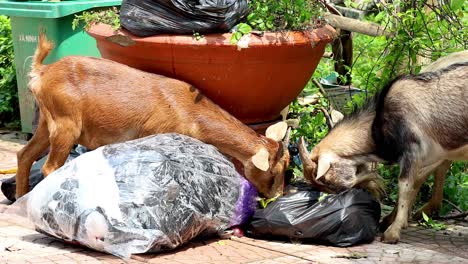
453	205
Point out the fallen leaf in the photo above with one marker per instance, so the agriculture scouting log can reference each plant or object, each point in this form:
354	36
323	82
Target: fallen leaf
354	255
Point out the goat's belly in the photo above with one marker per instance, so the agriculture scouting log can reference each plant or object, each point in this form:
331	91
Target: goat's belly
95	139
459	153
96	134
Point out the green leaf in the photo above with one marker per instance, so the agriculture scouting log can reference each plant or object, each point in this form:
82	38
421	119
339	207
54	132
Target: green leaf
456	4
235	37
425	217
264	202
244	28
270	25
261	26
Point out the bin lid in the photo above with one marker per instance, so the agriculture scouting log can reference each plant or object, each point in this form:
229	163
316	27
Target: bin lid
45	9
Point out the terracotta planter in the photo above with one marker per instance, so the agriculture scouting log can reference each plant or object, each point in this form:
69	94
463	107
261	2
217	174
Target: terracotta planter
253	84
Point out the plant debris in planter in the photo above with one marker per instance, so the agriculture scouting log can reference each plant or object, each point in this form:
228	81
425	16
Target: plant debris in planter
263	15
267	15
109	16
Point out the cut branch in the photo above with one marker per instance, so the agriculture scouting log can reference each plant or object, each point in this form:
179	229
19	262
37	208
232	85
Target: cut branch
354	25
454	216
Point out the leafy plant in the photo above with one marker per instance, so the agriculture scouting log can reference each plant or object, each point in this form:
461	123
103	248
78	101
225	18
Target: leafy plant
268	15
197	36
9	108
429	222
312	126
456	187
418	32
109	16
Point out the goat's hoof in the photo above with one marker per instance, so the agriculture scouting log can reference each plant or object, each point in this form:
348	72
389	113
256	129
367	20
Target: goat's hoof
391	236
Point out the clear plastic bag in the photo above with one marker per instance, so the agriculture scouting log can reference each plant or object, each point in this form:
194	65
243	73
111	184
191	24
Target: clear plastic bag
146	195
151	17
344	219
8	186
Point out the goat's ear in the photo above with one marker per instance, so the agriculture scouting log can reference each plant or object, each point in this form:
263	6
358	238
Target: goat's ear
324	163
336	116
261	159
277	131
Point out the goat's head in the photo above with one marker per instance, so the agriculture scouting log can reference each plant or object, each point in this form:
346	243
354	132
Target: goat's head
332	173
266	168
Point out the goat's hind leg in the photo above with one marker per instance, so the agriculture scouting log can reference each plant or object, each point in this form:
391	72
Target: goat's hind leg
28	154
434	204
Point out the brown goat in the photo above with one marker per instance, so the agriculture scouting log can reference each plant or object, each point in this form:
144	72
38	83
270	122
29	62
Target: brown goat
420	122
94	102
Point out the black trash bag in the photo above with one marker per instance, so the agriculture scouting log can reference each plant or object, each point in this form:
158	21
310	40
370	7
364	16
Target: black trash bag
345	219
8	186
151	17
146	195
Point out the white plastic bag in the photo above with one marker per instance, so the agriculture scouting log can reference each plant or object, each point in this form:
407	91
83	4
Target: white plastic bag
145	195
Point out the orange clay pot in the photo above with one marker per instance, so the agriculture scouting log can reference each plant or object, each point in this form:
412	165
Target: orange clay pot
253	84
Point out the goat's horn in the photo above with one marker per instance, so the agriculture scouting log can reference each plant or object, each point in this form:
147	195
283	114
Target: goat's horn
308	168
286	138
304	155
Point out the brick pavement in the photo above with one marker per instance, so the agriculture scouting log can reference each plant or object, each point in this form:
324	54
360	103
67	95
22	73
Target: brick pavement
19	243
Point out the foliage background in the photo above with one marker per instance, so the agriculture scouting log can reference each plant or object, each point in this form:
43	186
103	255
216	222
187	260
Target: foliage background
9	107
419	33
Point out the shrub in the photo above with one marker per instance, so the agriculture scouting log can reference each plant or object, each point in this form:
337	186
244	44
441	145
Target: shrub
9	107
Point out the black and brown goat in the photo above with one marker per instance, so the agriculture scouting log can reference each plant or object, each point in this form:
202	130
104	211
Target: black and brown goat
419	122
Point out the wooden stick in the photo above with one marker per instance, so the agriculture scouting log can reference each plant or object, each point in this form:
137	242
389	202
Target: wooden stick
322	91
327	117
354	25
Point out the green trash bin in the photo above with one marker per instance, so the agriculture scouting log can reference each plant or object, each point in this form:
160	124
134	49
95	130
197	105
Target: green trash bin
27	18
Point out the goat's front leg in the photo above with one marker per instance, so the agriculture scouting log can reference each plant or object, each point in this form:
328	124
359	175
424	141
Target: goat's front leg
407	190
61	142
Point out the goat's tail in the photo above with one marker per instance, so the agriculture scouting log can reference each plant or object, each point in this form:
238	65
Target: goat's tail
43	49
